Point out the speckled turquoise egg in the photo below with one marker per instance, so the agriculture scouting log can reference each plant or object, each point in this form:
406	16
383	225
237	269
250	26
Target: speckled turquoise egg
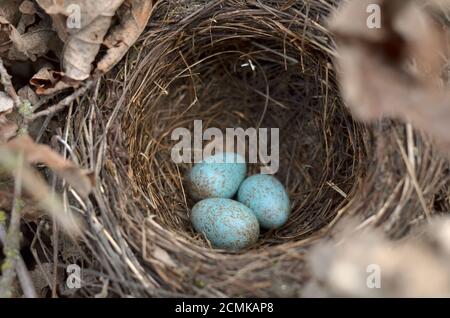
226	223
218	176
267	198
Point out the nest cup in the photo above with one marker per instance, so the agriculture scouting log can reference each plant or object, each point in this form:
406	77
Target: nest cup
247	64
243	71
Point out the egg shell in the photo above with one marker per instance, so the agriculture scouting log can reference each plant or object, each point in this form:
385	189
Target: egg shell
267	198
226	223
218	176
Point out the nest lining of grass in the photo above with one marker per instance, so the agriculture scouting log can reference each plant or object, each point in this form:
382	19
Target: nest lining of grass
190	68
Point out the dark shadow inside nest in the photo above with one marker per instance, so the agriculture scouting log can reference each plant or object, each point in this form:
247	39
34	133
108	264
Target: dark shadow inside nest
244	85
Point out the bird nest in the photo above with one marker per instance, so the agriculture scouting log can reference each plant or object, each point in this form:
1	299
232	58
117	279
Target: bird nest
247	64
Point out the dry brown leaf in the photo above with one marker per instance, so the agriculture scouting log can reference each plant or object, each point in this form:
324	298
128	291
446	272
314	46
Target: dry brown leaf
38	40
59	24
83	44
33	44
122	37
394	71
48	81
78	30
33	153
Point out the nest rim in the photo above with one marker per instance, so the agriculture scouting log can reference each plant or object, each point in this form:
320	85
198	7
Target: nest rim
201	59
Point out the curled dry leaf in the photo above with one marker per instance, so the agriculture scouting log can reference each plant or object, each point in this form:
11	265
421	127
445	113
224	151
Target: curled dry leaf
74	30
92	20
396	70
48	81
121	38
31	45
35	43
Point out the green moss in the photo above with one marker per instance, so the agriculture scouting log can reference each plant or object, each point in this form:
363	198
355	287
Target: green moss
7	264
2	217
20	204
22	131
26	109
199	283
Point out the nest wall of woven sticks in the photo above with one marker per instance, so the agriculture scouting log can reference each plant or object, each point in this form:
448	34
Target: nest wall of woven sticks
242	64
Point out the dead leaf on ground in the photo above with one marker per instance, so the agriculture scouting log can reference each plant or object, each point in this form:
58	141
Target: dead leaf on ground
33	44
48	81
84	41
38	40
74	30
121	38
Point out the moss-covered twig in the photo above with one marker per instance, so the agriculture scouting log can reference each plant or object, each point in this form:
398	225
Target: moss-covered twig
29	291
12	241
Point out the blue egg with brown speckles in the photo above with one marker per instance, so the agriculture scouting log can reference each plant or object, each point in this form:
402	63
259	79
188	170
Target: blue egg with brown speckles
267	198
226	223
217	176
